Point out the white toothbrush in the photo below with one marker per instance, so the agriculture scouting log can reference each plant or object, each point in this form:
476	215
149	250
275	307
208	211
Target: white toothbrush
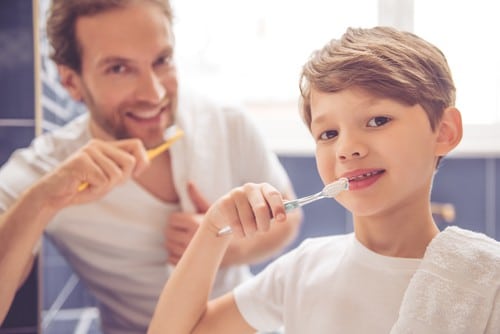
329	191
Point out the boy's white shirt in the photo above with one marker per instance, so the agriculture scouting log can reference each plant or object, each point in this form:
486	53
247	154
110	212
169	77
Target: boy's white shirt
336	285
327	285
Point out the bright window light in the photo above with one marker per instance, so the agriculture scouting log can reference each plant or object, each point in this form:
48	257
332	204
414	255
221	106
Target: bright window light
467	33
253	50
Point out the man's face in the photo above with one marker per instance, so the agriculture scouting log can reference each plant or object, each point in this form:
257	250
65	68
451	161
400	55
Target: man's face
128	79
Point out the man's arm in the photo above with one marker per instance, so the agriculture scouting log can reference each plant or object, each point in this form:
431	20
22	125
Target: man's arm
20	229
102	165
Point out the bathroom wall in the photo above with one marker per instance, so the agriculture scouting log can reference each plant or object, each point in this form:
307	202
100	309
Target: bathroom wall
17	128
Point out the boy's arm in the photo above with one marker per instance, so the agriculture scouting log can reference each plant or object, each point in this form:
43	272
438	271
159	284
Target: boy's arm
183	306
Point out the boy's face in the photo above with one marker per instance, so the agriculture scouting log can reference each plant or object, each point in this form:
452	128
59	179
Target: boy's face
128	79
386	149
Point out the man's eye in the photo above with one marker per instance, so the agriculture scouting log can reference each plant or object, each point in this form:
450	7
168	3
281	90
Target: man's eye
329	134
378	121
117	69
163	61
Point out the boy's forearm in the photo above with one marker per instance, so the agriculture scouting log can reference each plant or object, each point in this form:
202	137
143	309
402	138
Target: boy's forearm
185	296
21	226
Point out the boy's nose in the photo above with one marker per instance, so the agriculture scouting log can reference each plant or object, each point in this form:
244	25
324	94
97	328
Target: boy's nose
151	89
346	156
348	149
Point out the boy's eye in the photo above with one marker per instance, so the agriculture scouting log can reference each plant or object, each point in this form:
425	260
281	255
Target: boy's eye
378	121
329	134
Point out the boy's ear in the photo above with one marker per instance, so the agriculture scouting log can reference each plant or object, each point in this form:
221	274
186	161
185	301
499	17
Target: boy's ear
449	131
71	81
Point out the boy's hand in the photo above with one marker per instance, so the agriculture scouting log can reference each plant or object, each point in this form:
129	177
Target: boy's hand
247	209
101	164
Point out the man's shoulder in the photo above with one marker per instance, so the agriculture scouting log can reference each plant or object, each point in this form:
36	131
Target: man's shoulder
48	149
64	140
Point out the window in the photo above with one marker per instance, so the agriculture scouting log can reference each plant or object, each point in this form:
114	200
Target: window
253	51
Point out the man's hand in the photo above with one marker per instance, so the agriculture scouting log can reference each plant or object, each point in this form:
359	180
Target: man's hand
101	164
181	226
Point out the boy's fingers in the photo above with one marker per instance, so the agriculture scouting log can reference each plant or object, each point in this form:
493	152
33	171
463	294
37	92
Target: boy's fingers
275	201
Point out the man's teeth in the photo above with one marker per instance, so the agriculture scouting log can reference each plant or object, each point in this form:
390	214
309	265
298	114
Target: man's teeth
146	114
364	176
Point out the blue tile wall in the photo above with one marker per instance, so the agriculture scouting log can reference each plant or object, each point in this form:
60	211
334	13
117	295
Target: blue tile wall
17	130
16	59
56	273
462	183
12	138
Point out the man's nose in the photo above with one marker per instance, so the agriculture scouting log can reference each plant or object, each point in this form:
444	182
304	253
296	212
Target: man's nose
150	88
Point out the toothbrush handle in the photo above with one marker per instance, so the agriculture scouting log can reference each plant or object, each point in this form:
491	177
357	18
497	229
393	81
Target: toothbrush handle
289	206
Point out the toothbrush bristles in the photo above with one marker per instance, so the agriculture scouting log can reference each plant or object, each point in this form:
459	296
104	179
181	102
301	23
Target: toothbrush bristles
334	188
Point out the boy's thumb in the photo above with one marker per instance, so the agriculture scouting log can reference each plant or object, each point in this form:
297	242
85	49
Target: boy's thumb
199	201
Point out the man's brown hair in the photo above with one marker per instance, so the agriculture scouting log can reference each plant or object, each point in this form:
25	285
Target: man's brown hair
62	20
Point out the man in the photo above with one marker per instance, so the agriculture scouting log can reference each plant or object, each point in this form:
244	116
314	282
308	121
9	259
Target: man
136	215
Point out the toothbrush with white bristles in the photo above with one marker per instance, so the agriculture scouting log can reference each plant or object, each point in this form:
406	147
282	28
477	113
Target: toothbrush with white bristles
329	191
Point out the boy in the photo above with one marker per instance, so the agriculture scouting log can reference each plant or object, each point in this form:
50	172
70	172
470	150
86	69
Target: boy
380	106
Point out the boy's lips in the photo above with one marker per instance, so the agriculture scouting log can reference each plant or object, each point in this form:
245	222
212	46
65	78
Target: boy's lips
363	178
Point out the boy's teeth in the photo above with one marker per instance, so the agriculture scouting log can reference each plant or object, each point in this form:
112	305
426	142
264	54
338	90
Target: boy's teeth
363	176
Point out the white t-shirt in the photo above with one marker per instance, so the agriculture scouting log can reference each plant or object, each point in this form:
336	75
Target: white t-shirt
327	285
116	244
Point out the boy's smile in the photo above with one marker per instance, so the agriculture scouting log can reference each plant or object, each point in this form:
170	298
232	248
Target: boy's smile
384	147
362	178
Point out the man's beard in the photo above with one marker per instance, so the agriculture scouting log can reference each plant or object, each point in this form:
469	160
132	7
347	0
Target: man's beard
115	127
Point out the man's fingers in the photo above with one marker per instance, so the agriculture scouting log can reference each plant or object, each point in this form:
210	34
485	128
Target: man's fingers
199	201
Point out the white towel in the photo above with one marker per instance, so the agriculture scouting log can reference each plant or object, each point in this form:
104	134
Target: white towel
456	289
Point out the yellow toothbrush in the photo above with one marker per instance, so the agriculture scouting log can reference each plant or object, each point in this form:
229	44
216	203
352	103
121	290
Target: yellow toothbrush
152	153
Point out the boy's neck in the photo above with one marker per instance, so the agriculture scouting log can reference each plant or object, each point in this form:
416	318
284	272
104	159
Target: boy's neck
404	236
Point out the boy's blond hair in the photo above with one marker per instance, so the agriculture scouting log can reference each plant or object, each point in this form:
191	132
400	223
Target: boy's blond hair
385	62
